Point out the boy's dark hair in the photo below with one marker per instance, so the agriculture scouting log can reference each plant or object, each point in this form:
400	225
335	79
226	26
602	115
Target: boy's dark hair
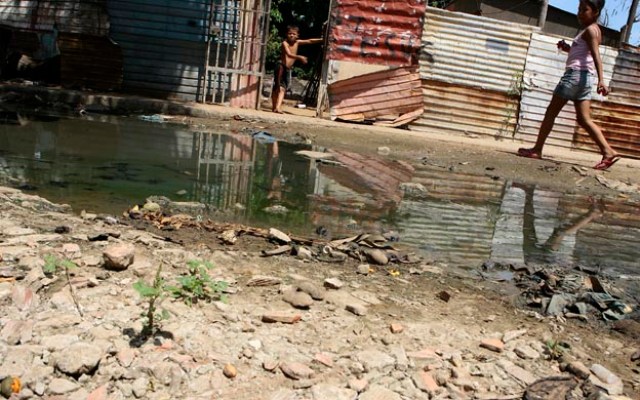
293	28
597	5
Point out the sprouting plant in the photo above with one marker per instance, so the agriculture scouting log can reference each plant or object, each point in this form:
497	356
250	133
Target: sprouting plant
198	284
556	348
516	88
53	264
154	294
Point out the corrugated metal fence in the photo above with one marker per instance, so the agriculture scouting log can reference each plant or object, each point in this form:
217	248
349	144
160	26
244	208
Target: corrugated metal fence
71	16
163	44
470	67
482	76
207	50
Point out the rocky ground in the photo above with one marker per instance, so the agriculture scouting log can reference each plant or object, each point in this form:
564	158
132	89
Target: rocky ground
361	332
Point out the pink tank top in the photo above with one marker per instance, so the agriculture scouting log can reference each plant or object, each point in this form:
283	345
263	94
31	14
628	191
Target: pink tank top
580	57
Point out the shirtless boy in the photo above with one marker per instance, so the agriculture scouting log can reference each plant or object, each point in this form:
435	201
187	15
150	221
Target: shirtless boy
282	73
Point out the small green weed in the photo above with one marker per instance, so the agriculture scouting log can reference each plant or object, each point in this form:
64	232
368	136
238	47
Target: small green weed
556	348
198	284
154	294
52	265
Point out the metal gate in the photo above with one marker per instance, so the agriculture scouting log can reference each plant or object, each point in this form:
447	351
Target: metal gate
237	40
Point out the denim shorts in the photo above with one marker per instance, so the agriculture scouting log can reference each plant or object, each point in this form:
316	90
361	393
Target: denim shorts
575	85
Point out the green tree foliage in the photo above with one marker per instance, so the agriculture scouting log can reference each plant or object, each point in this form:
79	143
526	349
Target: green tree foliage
439	3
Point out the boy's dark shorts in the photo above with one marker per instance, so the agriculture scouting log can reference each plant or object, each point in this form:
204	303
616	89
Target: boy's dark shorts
281	76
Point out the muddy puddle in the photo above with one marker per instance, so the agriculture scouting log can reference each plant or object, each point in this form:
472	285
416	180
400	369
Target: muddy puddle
107	164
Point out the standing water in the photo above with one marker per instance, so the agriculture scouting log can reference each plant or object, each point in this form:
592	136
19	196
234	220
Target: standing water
107	164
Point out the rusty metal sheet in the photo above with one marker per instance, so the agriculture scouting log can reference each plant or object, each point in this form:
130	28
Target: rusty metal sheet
625	82
618	228
366	174
471	67
468	50
245	84
456	108
71	16
443	185
89	62
544	68
376	31
395	93
620	124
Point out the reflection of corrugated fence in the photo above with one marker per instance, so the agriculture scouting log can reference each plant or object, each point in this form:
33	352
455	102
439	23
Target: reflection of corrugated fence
454	222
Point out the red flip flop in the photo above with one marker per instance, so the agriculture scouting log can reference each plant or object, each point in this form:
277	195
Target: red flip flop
606	162
529	153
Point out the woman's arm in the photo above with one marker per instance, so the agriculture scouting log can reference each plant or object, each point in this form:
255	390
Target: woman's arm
592	36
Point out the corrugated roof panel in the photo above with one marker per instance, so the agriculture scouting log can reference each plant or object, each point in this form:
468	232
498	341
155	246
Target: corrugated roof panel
450	232
458	187
389	92
545	66
376	31
69	16
472	51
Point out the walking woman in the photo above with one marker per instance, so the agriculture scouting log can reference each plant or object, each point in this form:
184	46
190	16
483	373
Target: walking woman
583	65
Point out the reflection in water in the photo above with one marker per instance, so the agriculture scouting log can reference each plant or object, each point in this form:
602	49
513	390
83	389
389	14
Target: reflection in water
108	164
560	243
465	220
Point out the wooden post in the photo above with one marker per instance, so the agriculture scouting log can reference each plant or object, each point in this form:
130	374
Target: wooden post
203	93
630	21
542	19
324	75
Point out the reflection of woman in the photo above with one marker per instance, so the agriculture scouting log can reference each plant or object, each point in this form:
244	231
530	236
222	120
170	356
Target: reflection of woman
547	252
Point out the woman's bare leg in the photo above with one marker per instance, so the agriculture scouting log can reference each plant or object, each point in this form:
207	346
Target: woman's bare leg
553	109
583	113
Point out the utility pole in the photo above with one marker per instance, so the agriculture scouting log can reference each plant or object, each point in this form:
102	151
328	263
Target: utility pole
542	19
626	35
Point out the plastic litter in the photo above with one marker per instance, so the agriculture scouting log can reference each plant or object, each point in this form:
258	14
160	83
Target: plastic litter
263	137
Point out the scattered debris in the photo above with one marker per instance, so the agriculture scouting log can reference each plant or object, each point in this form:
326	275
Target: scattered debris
618	185
444	296
156	118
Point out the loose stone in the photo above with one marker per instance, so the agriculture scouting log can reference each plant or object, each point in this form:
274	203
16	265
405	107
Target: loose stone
296	370
230	371
493	344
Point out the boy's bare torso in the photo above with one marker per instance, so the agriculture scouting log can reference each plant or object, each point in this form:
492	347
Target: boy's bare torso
286	59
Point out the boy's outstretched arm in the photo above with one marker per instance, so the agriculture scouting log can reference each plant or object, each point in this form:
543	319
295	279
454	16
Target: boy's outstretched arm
310	41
